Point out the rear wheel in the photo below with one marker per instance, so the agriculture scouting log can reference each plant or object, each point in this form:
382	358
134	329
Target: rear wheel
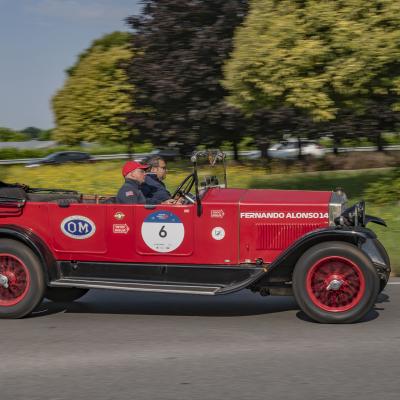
334	282
64	295
22	281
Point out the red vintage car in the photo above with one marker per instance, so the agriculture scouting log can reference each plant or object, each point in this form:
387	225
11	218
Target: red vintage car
59	244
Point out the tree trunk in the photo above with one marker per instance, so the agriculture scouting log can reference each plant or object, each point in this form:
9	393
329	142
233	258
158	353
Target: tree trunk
379	142
264	146
129	144
300	152
336	145
235	150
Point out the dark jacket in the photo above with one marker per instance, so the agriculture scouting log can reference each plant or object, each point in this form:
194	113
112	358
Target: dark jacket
154	190
130	193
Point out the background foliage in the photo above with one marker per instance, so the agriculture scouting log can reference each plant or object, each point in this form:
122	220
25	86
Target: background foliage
180	47
94	101
334	61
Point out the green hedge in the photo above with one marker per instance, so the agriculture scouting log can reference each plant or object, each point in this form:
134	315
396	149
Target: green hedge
13	153
385	190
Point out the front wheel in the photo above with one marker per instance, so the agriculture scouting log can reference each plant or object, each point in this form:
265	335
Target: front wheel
335	282
22	281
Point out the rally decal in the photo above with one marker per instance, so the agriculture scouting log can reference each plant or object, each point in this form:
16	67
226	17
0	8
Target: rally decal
218	233
217	213
284	215
78	227
163	231
119	215
120	228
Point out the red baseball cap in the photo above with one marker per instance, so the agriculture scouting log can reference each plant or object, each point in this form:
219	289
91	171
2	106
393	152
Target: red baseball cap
130	166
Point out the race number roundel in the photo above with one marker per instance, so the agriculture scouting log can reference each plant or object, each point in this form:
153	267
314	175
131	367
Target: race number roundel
163	231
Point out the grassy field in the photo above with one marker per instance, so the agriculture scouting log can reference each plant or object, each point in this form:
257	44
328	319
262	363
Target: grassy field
106	178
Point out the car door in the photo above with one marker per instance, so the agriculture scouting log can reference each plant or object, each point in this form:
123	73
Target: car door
78	228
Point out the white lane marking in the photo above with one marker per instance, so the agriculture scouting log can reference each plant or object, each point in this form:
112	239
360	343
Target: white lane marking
393	283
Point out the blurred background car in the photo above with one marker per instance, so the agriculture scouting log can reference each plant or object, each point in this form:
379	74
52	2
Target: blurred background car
166	154
61	157
289	149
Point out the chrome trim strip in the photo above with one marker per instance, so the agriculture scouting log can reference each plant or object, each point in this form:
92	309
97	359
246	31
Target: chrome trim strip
135	287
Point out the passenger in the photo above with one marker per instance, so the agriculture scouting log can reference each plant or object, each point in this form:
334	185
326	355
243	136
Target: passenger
134	174
153	187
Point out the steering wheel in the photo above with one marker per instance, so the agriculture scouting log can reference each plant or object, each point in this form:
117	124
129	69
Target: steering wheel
183	190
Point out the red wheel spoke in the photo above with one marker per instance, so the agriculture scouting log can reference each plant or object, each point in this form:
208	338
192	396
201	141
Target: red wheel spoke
18	278
335	284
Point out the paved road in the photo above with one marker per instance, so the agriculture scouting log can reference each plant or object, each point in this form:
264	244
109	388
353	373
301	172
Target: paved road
113	345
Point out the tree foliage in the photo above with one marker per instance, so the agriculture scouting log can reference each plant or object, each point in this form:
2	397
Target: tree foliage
327	59
95	98
10	135
32	132
181	47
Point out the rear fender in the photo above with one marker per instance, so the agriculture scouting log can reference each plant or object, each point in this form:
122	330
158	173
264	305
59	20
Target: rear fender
36	244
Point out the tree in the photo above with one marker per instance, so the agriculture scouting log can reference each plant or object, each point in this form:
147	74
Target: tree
95	98
46	134
328	60
10	135
181	46
32	132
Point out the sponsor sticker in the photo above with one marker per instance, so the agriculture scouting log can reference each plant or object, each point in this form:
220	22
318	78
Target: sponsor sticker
119	215
120	228
78	227
217	213
284	215
218	233
163	231
129	193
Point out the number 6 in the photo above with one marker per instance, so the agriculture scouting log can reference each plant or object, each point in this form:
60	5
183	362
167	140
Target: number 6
163	232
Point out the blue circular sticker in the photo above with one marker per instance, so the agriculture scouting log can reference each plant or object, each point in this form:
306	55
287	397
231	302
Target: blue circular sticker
163	231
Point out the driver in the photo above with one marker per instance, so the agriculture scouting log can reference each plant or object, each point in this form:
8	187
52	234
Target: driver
153	187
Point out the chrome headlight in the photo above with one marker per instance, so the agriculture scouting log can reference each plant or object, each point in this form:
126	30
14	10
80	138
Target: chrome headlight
353	216
337	204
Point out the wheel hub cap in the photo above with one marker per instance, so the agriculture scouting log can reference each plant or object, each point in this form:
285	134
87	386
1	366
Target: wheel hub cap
334	284
4	281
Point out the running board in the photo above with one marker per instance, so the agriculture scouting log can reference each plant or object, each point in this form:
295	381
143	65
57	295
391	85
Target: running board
135	287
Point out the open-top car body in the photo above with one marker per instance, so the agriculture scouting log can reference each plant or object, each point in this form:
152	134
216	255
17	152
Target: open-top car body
59	244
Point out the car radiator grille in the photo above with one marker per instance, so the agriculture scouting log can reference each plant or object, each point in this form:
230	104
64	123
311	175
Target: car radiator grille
280	236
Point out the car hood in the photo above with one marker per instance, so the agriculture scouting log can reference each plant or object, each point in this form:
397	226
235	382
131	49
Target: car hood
285	197
271	197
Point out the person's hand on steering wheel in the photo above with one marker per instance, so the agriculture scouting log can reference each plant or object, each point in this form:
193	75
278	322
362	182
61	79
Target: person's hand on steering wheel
176	200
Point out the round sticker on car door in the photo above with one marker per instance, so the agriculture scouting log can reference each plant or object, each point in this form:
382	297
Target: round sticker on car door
163	231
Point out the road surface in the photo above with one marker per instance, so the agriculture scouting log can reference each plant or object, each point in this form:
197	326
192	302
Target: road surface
114	345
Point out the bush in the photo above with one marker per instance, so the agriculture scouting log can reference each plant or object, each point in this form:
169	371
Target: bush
11	153
385	190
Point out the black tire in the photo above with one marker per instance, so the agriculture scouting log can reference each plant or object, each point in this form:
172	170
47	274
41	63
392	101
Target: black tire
26	280
316	290
64	295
